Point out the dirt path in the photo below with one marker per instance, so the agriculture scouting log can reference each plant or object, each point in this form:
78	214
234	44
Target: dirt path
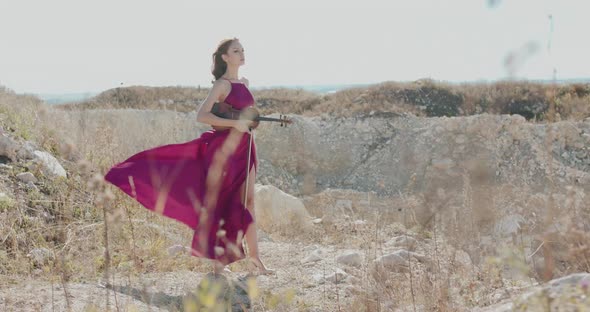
295	282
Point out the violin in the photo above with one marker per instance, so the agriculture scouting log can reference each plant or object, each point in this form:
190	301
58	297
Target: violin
225	110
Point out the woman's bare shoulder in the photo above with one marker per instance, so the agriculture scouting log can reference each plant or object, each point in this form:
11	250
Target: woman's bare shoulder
221	83
245	81
220	89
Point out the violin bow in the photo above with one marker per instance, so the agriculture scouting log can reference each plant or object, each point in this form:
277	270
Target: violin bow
282	119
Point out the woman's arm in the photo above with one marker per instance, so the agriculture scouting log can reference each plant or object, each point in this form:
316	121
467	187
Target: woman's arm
204	114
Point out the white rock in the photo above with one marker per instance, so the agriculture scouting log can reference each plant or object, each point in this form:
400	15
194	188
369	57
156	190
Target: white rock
50	165
276	209
351	258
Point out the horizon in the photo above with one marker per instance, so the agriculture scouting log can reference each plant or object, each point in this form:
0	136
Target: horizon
60	98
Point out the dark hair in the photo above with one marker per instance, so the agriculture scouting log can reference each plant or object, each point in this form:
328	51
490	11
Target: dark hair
219	65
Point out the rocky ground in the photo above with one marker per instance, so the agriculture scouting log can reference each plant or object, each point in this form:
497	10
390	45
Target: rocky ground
308	278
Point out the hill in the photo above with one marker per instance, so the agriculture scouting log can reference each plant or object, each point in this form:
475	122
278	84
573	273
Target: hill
428	98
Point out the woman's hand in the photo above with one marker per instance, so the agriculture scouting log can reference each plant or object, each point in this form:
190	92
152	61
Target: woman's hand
243	125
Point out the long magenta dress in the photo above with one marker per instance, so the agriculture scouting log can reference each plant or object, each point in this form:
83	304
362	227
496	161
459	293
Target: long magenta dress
198	183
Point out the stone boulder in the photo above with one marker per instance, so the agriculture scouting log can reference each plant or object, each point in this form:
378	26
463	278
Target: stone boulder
568	293
49	165
276	209
8	147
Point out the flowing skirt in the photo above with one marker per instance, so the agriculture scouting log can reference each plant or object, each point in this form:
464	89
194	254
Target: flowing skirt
199	183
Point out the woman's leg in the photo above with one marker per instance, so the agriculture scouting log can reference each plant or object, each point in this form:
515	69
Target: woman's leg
251	235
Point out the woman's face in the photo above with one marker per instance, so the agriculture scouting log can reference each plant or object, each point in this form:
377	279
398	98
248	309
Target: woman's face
235	54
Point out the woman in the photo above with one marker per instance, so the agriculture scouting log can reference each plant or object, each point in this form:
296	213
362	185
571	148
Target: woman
206	183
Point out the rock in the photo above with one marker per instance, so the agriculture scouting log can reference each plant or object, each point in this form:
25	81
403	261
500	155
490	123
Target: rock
318	278
276	209
5	167
562	294
49	164
407	254
40	256
337	277
397	261
391	262
406	242
26	177
27	150
8	147
315	256
31	186
463	259
351	258
333	204
460	139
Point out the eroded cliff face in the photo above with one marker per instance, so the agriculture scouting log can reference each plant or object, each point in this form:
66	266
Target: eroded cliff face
391	154
386	153
485	180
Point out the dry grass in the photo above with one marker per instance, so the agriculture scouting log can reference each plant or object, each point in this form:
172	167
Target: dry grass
91	233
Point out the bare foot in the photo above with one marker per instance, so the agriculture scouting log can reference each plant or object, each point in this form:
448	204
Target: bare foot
219	268
257	264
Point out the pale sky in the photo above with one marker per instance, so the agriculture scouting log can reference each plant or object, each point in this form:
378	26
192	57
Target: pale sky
65	46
